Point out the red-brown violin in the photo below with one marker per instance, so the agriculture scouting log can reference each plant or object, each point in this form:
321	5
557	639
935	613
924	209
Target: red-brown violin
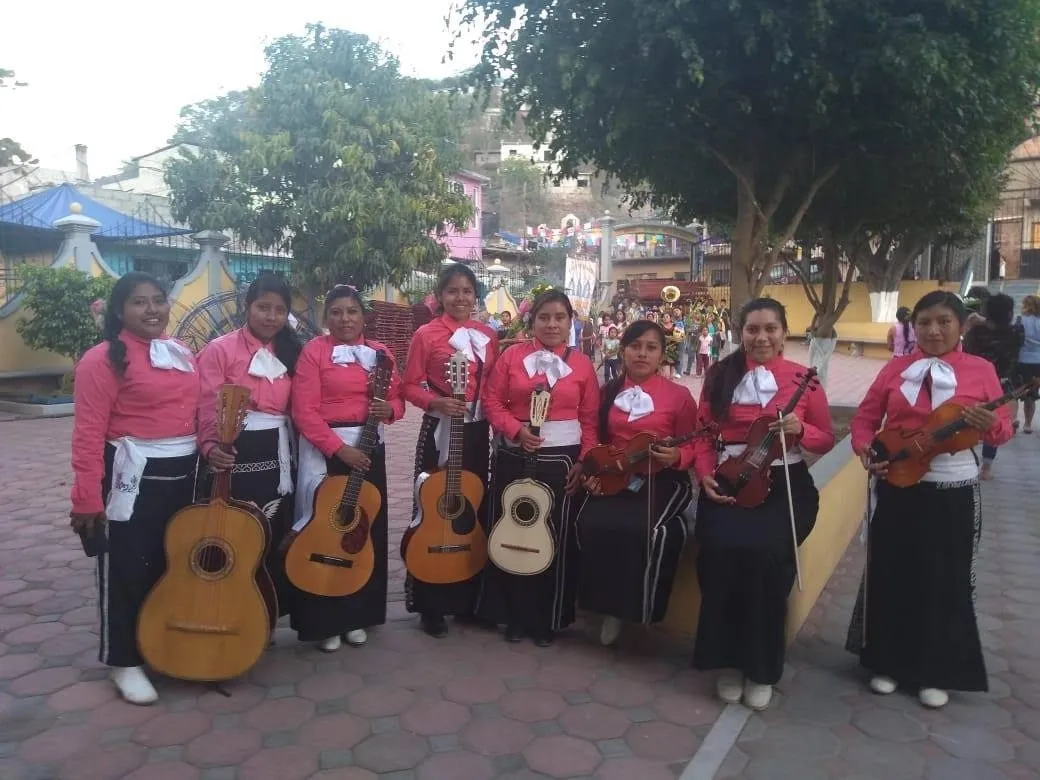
615	466
748	477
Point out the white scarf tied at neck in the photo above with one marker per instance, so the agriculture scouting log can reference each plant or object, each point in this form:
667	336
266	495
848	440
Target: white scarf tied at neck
265	365
636	401
545	362
345	354
471	342
944	380
757	387
168	354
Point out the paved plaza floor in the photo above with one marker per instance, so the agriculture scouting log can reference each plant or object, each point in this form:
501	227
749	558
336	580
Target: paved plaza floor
470	707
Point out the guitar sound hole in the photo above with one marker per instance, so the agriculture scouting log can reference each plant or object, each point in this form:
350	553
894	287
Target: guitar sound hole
346	518
524	512
450	507
211	559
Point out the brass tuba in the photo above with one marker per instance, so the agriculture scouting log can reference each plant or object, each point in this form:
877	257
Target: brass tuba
670	293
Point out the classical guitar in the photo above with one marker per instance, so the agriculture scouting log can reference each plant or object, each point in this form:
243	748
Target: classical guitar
333	555
206	618
521	542
445	542
909	452
615	466
747	477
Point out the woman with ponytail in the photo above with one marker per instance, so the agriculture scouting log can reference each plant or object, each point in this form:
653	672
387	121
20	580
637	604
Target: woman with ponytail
630	543
261	355
134	462
746	564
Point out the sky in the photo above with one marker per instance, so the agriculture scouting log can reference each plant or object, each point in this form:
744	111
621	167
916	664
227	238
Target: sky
114	74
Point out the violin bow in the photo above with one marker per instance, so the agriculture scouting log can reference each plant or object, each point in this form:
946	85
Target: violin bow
790	501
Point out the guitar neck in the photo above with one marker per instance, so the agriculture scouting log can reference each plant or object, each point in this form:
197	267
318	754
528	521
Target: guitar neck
455	442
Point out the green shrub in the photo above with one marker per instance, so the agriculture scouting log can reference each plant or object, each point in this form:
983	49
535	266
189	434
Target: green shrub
60	301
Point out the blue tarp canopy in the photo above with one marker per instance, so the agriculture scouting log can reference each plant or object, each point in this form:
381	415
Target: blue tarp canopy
510	238
41	209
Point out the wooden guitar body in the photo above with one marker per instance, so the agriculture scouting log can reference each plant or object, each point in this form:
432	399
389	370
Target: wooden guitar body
206	618
446	543
333	555
520	542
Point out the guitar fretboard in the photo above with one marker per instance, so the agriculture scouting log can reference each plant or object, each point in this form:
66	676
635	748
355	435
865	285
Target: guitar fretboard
456	428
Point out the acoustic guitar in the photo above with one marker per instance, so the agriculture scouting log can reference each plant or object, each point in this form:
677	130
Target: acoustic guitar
333	555
520	542
445	542
206	618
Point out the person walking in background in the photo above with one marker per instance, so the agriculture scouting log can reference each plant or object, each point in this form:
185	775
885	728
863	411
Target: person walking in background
703	351
1029	355
901	338
611	351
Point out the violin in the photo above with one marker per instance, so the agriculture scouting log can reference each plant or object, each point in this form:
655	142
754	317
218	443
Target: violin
615	466
748	477
909	451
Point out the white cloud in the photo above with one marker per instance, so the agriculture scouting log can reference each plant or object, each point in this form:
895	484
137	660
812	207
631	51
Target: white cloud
114	74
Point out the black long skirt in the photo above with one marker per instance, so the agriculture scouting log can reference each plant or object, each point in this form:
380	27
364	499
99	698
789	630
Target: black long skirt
745	568
629	548
254	477
539	603
315	618
457	598
136	555
920	585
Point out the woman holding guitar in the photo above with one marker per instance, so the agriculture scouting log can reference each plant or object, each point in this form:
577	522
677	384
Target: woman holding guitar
537	605
134	461
425	386
746	565
919	629
260	356
630	543
330	405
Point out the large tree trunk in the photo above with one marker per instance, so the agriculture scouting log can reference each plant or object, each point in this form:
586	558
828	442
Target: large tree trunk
743	252
883	266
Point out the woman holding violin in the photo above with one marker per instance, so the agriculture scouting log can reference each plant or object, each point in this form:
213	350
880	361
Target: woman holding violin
331	402
919	630
538	605
426	386
746	564
630	543
261	356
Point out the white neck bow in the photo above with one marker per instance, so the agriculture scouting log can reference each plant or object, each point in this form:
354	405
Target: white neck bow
471	342
168	354
636	401
549	363
345	354
264	364
757	387
944	380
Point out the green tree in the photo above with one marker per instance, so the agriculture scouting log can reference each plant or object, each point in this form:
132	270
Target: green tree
11	152
521	193
743	112
60	300
334	157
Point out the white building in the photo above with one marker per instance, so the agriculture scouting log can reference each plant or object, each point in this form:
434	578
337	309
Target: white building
547	163
144	174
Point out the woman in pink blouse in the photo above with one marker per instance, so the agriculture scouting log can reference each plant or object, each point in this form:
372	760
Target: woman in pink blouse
746	563
541	604
261	356
919	587
134	462
630	544
426	386
331	401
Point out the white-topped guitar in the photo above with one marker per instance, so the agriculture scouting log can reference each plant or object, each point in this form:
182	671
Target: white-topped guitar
521	542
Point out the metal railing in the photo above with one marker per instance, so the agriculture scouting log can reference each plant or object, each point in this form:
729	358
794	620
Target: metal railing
10	282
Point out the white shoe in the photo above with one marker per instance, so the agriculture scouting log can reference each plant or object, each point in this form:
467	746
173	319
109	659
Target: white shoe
933	697
883	685
756	695
610	630
134	685
357	637
330	645
729	686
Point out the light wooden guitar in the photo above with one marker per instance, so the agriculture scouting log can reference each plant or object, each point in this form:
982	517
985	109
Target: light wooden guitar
333	555
446	543
521	542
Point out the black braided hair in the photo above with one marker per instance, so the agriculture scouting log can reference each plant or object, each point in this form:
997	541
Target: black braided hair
113	325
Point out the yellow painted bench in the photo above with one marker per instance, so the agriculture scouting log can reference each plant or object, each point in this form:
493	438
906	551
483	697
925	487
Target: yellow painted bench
842	483
869	339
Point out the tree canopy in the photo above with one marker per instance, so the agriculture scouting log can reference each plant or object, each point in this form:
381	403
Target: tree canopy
11	152
748	113
334	156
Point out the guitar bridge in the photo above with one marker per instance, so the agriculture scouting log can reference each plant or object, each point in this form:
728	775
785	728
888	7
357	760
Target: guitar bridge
200	628
449	548
520	548
331	560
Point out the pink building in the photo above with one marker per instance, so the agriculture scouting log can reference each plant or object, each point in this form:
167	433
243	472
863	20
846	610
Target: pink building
466	246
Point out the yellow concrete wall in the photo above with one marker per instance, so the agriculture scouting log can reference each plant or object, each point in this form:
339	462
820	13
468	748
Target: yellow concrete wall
664	268
842	504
